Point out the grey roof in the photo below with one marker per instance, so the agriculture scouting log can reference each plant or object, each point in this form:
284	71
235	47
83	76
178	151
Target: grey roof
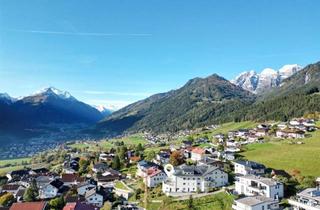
250	164
192	170
264	180
253	201
94	191
310	193
101	166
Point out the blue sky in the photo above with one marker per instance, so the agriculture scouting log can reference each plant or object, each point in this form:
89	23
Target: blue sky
114	52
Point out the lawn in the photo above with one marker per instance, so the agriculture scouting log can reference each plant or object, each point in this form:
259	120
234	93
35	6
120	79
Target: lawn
220	201
17	161
121	185
13	164
226	127
108	144
282	155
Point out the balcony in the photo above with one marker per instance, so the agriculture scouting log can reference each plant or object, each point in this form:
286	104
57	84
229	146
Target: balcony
307	206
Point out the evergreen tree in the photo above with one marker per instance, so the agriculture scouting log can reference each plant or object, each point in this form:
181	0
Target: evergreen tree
190	203
32	192
57	203
116	163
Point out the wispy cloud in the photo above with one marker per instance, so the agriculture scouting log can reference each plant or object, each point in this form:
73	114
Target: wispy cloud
110	104
94	92
66	33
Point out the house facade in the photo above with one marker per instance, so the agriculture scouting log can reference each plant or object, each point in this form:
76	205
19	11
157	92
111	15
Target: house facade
94	198
255	203
187	179
155	177
244	167
251	185
308	199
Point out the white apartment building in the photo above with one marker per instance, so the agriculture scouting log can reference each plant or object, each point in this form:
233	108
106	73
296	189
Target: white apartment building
154	177
256	203
244	167
308	199
187	179
251	185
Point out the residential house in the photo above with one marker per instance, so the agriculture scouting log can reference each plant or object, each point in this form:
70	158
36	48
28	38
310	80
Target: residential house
154	177
134	159
39	171
82	188
71	179
50	190
261	132
251	185
290	133
29	206
79	206
17	175
162	158
193	178
308	199
109	175
198	154
11	188
143	167
106	156
256	203
100	167
213	162
95	197
129	206
43	181
245	167
282	126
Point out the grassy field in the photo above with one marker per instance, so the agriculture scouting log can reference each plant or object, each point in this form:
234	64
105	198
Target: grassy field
108	144
220	201
17	161
12	164
121	186
226	127
282	155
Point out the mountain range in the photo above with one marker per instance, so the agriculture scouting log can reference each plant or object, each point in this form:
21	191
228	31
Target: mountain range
268	78
271	95
199	102
291	91
50	108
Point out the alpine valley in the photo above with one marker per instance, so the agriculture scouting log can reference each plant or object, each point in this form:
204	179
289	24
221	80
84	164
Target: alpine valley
271	95
280	94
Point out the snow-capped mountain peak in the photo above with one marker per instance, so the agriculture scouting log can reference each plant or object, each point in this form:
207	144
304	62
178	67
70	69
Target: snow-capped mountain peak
56	92
5	97
268	72
288	70
267	79
105	111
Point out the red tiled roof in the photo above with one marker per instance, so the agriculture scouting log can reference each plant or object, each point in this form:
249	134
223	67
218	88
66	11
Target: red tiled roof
71	178
10	187
70	206
29	206
198	150
153	171
135	158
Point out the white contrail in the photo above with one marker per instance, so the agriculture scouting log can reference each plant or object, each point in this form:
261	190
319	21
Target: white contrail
81	33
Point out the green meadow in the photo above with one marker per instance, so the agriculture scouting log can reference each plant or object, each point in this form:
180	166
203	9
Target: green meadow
284	155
